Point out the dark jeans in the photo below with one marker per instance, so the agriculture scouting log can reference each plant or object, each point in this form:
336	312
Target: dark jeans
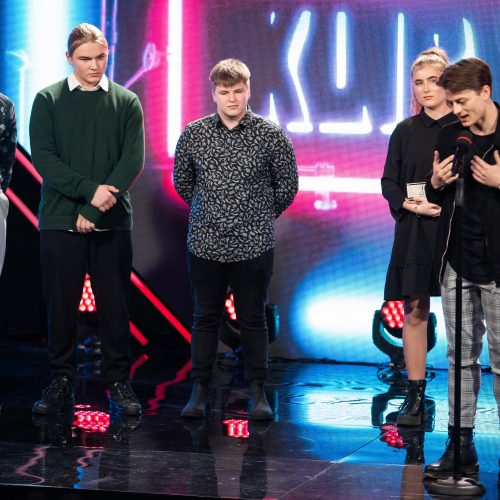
65	258
248	280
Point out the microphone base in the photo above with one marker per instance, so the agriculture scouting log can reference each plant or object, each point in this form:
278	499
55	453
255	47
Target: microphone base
461	487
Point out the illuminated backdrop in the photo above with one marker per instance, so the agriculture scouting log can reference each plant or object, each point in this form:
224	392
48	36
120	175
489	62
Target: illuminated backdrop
334	75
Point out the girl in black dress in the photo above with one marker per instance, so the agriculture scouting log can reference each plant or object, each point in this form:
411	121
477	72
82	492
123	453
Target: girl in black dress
412	275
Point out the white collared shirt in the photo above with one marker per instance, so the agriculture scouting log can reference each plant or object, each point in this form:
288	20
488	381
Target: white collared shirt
74	84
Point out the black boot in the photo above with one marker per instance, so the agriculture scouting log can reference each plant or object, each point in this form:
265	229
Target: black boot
196	407
121	427
258	407
122	399
58	396
55	430
412	411
413	440
468	456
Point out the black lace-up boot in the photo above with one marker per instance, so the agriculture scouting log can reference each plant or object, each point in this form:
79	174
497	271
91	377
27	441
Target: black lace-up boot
196	407
413	439
468	456
258	407
412	411
122	398
58	396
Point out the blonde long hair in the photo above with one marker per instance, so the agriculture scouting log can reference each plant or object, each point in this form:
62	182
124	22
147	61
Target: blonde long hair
435	57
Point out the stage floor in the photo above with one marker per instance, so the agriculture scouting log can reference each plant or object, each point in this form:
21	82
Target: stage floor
329	439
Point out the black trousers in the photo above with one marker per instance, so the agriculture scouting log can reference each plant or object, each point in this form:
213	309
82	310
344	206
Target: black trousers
107	257
249	280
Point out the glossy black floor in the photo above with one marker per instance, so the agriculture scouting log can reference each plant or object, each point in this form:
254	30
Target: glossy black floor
332	437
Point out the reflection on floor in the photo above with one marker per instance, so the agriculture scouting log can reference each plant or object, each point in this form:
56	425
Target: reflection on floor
334	435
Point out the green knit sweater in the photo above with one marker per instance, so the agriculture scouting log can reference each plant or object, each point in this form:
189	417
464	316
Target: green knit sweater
80	140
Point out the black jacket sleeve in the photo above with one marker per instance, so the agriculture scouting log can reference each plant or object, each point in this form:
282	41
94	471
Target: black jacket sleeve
442	147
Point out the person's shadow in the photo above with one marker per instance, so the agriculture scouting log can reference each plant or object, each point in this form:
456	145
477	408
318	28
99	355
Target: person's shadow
253	479
203	478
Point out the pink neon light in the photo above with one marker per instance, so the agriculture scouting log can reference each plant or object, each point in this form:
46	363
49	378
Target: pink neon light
137	334
160	306
137	363
160	388
103	17
39	454
22	207
28	165
193	72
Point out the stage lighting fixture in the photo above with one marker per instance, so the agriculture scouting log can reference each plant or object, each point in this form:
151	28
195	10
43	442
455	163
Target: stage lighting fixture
236	428
87	302
91	421
88	340
387	331
229	332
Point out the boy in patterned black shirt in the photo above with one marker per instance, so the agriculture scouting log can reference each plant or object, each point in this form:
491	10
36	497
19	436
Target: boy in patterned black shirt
237	172
8	139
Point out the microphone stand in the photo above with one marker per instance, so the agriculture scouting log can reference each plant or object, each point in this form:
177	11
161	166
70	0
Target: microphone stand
457	485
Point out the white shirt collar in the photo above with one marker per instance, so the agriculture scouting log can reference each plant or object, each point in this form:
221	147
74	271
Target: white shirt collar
73	84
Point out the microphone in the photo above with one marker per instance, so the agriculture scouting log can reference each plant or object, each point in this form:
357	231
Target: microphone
463	143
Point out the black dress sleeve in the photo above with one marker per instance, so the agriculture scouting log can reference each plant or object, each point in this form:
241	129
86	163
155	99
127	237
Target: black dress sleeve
391	179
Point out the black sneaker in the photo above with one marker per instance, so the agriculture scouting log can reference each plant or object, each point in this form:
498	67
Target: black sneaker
122	398
58	396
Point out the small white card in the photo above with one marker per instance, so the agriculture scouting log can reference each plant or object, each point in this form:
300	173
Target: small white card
415	190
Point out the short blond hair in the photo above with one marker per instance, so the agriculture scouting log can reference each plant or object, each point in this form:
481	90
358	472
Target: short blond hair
84	33
229	72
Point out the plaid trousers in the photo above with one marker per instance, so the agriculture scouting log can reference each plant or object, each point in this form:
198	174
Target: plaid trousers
480	314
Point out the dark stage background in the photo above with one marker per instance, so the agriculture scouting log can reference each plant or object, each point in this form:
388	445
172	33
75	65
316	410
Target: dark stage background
333	74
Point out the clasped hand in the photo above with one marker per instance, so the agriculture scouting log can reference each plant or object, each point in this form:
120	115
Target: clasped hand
422	207
103	200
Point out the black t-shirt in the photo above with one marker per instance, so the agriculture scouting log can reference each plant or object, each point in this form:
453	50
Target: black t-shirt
475	263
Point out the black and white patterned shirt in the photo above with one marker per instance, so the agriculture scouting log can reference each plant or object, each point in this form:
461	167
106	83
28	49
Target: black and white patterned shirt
236	183
8	140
